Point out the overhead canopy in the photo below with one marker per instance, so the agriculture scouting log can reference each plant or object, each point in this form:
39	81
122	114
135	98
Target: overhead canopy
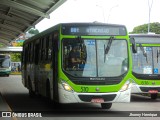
18	16
10	49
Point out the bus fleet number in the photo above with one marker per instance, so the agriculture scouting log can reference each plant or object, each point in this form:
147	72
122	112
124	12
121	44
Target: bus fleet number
84	89
145	83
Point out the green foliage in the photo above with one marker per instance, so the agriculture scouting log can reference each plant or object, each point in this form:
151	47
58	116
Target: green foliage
1	44
33	31
19	44
154	27
15	57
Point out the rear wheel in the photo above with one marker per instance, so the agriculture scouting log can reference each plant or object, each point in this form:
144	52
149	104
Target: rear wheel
106	105
153	96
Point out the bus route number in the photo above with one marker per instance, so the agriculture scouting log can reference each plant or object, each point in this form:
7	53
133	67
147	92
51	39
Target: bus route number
84	89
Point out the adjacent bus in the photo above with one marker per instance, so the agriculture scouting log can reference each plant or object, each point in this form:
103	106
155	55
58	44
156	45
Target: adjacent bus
146	64
101	75
5	64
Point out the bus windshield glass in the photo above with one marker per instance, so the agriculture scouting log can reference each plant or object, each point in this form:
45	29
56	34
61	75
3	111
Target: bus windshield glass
4	61
146	60
87	57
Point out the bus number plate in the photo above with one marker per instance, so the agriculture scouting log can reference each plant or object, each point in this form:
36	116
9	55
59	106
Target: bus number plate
153	91
97	100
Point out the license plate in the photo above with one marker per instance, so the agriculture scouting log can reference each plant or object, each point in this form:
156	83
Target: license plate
153	91
97	100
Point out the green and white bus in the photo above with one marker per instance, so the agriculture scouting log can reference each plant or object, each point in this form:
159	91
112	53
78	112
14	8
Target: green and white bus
146	64
5	64
102	74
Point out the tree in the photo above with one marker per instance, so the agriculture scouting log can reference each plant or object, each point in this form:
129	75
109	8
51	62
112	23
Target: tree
33	31
16	57
154	27
2	45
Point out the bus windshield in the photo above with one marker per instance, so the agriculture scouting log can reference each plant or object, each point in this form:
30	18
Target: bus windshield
4	61
87	57
146	60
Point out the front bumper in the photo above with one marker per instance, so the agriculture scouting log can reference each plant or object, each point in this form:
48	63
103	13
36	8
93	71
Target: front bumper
74	97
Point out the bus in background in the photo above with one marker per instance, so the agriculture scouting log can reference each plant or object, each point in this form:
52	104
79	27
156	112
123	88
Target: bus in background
146	64
5	64
79	63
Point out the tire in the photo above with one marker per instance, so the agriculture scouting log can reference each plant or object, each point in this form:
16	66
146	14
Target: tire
48	92
106	105
31	92
154	96
56	105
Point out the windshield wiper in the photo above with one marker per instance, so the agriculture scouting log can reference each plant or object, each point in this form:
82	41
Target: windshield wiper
144	53
106	49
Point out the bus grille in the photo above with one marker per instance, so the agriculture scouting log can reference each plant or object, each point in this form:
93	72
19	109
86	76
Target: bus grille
146	89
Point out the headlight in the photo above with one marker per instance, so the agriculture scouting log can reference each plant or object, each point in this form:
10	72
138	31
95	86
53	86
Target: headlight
125	86
66	86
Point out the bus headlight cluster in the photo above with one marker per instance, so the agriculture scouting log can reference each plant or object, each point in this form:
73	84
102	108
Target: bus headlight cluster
66	86
125	86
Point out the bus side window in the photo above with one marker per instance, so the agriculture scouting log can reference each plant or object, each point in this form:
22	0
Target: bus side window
32	53
46	47
28	52
55	41
25	55
41	49
50	48
36	52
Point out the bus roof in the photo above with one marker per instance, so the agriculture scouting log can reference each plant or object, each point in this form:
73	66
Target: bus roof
144	35
146	38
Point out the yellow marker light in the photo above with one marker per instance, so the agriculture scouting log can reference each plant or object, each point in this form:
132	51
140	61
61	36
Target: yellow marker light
66	87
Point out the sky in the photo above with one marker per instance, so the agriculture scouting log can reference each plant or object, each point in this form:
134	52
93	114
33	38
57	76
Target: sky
130	13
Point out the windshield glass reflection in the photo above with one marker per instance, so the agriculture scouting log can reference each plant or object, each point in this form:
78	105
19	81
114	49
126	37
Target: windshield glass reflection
87	57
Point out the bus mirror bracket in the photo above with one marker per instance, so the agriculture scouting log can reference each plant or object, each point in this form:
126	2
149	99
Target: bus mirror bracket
134	47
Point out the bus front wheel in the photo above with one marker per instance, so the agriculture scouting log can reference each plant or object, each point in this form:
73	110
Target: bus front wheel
106	105
31	92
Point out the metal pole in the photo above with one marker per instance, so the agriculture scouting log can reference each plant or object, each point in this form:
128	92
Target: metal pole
150	7
110	12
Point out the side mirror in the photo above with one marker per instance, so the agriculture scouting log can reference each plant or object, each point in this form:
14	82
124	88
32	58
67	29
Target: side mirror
134	47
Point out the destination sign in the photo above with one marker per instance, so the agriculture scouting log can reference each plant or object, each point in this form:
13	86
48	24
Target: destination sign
94	30
147	40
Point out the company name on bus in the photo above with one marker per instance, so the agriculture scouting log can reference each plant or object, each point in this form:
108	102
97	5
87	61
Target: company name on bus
97	78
